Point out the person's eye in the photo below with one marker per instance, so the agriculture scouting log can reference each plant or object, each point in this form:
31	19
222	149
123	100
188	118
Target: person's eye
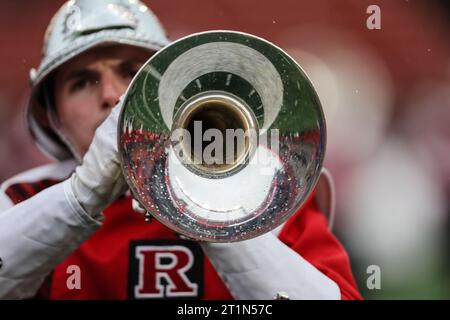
78	85
81	83
128	72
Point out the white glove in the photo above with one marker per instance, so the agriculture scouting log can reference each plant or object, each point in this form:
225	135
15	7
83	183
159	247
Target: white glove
98	181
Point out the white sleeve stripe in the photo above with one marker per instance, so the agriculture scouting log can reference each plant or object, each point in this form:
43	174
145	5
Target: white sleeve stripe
5	202
57	171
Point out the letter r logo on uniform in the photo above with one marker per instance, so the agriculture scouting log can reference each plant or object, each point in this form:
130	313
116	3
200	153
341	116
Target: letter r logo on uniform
164	271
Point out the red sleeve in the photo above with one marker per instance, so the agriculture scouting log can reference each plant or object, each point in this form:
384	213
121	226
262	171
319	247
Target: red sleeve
307	233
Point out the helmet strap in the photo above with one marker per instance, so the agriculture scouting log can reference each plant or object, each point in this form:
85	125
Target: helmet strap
56	124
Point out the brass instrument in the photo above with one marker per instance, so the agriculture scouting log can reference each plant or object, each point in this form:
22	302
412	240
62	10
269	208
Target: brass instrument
222	136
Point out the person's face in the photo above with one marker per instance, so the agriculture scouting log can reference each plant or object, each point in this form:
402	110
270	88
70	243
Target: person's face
87	87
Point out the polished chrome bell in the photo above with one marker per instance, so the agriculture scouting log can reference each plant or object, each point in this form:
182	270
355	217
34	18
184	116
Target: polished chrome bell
222	136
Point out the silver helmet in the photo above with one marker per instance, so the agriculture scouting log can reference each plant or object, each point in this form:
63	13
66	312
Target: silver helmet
80	25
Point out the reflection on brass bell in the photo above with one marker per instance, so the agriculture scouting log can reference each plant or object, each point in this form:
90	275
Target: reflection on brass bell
179	146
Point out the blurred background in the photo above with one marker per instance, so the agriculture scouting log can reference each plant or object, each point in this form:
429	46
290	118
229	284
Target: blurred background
386	96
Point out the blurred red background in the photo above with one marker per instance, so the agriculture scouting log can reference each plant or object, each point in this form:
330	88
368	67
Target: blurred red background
411	51
413	42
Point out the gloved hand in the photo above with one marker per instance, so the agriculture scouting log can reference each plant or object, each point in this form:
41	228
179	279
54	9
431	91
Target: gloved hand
98	181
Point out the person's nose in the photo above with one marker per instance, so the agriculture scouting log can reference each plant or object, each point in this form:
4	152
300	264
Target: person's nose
111	90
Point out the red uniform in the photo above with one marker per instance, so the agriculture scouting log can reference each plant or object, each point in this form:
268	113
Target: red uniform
129	259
